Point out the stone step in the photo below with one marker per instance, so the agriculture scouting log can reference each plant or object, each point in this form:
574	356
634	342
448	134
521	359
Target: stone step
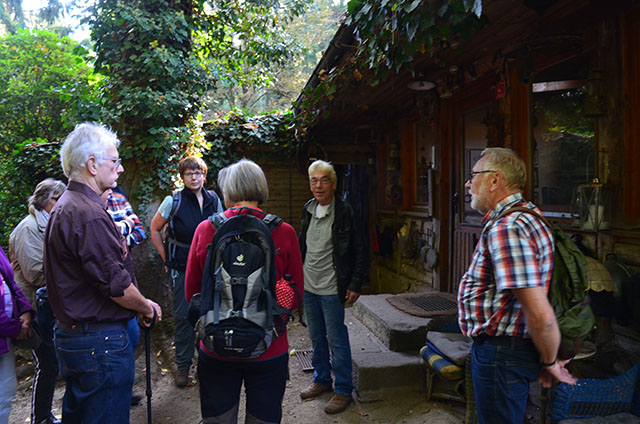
397	330
377	371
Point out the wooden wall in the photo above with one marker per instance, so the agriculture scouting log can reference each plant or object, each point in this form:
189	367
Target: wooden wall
288	192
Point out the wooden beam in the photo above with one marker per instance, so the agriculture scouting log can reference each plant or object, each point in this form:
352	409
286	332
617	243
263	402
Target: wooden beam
630	29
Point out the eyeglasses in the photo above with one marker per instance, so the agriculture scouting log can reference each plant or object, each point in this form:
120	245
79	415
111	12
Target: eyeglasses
474	173
195	174
116	161
321	181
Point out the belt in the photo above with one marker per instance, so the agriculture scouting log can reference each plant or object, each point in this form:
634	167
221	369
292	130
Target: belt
502	340
92	327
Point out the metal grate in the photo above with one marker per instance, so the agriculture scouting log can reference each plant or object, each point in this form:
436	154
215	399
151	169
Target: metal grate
304	358
433	303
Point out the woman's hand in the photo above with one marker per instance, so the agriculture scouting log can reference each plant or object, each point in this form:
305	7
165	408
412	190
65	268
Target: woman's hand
25	330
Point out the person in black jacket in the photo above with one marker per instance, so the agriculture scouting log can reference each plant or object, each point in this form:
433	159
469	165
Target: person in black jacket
335	263
182	211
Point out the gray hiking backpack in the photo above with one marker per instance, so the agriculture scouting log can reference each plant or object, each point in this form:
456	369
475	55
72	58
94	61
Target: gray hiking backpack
239	313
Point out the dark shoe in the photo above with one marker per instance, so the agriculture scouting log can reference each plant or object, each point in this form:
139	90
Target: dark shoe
337	403
136	398
182	378
51	420
314	390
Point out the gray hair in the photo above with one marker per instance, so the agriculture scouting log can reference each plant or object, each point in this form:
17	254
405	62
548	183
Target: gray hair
222	175
44	192
86	140
508	163
244	181
325	167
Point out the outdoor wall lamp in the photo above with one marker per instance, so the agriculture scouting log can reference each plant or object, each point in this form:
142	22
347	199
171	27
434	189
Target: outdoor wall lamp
420	83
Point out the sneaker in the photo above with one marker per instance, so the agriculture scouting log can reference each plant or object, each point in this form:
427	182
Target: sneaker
51	420
314	390
337	403
136	398
182	378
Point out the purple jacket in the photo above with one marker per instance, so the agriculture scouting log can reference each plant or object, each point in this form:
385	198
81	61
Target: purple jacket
10	327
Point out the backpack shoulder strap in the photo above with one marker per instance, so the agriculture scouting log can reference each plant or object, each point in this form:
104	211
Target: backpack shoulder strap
176	197
217	219
525	210
272	221
216	200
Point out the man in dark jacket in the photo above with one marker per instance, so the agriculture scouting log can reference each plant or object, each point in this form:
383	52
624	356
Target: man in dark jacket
335	263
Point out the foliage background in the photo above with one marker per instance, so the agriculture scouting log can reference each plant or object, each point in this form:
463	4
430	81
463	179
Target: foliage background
155	67
46	86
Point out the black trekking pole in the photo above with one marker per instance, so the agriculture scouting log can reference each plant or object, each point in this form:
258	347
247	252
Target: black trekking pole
147	342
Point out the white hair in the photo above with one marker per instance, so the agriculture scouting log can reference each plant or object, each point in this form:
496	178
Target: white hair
86	140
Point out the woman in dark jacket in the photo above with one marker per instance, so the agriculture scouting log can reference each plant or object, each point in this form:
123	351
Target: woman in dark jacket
182	211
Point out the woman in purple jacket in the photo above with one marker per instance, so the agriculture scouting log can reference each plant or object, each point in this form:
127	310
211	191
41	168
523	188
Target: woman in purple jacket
15	316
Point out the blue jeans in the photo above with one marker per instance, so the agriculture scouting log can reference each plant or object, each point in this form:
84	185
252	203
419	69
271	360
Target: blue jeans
183	334
221	382
8	384
44	356
325	320
501	377
98	369
133	331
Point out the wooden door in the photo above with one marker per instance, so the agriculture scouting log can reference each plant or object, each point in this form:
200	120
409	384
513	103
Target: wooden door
470	117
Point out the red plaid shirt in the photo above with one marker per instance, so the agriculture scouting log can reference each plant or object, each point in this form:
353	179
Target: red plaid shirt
515	252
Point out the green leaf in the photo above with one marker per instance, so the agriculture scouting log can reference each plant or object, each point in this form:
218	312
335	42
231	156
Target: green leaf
353	5
411	30
410	7
477	8
443	10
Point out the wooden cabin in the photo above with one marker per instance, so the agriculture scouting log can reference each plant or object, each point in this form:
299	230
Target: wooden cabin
557	81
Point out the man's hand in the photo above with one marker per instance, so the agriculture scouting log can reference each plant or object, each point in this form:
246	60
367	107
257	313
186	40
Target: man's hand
557	371
351	297
130	223
154	307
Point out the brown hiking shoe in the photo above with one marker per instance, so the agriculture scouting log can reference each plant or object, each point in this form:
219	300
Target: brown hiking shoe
182	378
337	403
314	390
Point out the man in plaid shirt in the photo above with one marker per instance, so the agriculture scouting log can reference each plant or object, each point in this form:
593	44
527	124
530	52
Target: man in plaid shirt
126	220
502	298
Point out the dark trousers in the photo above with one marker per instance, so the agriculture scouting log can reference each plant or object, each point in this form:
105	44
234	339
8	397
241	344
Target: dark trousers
44	383
98	368
220	383
501	377
184	336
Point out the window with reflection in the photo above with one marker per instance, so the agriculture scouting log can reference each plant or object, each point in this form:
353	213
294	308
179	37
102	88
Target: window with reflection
563	137
474	141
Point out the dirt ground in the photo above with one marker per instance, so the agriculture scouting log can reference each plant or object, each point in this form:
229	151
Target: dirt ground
173	405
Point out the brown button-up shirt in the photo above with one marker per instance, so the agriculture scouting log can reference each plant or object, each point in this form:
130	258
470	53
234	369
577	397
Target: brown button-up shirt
86	260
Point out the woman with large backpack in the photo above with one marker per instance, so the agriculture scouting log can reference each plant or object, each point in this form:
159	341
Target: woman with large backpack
263	368
181	212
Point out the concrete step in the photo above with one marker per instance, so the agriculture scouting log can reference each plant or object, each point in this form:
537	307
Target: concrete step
397	330
378	371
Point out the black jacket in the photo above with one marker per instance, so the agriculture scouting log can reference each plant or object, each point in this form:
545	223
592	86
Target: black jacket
186	219
349	256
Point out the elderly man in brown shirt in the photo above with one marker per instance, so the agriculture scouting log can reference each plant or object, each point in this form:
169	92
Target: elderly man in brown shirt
90	282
